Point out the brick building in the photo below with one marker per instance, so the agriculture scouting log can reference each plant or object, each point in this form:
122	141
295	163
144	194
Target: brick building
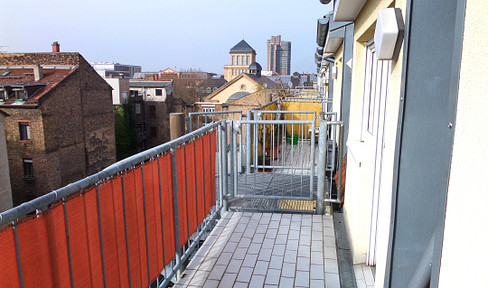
61	123
153	102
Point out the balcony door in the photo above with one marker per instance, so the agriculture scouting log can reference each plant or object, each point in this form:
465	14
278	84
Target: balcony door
374	105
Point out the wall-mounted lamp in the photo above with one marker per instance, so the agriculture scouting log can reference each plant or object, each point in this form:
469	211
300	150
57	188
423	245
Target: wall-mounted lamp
388	35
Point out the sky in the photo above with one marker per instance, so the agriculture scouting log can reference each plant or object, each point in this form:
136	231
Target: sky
160	34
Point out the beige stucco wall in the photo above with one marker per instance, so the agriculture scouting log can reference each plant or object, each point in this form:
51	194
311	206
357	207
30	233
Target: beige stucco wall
5	188
465	235
223	95
361	152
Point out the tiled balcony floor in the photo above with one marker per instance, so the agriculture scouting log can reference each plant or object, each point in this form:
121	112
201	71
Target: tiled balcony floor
266	250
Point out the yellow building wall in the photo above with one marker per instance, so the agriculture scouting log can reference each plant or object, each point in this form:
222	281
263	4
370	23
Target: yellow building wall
361	155
302	130
222	96
465	245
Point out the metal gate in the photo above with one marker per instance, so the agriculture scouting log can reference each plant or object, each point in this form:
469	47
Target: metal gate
272	164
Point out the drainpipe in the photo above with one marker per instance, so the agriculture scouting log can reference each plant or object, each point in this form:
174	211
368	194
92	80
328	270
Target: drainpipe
321	166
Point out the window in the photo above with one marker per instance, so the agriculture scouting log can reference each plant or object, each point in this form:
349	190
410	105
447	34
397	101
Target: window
233	60
243	60
28	168
24	131
138	108
153	131
152	111
248	60
375	82
208	108
238	60
243	87
3	95
159	92
20	95
209	90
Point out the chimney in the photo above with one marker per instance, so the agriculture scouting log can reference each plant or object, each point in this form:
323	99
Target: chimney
38	72
55	47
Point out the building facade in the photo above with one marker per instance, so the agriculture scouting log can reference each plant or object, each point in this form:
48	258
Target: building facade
279	55
61	124
5	189
241	56
153	102
413	109
115	70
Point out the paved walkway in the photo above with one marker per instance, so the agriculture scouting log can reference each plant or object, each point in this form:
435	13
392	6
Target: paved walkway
266	250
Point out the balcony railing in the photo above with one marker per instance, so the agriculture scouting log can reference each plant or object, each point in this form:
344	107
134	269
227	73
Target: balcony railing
137	222
130	225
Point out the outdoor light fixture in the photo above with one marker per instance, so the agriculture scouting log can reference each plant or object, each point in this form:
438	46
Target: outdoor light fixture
389	33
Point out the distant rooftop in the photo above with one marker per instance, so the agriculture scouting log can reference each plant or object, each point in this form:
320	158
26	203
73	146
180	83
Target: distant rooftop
137	83
242	47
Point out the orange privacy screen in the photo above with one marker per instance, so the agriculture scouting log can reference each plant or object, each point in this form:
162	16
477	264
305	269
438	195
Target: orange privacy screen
134	213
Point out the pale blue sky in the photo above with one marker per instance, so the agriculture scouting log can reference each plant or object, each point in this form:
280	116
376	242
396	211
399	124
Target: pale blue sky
160	34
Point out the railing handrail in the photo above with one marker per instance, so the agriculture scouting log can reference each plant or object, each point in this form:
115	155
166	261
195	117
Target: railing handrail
44	201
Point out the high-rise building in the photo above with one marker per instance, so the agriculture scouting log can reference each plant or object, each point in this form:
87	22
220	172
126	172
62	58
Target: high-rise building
279	55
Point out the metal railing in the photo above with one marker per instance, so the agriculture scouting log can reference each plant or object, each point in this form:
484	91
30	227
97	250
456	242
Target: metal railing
136	222
200	119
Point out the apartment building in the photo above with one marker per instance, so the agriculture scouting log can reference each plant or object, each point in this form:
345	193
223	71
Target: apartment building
60	126
405	81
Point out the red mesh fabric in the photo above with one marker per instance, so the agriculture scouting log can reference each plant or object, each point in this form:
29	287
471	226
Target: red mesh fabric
153	217
8	260
137	262
208	173
200	170
93	237
58	246
182	199
80	257
109	234
33	245
167	208
191	187
118	205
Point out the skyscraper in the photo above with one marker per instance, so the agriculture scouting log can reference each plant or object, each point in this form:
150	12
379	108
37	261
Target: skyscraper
279	55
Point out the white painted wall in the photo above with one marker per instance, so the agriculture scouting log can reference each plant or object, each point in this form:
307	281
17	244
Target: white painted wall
5	188
465	246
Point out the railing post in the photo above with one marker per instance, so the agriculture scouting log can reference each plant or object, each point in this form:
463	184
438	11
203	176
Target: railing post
232	160
235	169
248	143
174	179
223	162
321	165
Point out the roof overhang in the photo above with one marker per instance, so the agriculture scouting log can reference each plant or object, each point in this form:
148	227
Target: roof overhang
334	40
347	10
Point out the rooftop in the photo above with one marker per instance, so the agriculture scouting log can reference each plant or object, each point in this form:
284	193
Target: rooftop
14	78
242	47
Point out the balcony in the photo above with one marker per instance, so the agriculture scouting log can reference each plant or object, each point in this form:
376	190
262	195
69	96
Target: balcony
236	202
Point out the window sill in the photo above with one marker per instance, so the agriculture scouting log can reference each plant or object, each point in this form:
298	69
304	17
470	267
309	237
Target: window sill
25	141
29	179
